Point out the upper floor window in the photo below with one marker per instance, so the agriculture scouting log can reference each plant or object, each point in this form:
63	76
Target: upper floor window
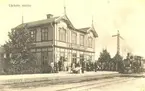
74	38
44	34
62	34
90	41
82	40
33	34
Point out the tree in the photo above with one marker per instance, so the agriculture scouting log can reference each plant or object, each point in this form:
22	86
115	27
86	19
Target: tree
104	56
118	60
18	49
104	59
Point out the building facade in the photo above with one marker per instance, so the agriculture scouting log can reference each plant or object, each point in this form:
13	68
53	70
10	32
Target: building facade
56	39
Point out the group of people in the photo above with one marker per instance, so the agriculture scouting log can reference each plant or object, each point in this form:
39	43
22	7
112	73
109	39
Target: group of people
74	67
77	67
58	66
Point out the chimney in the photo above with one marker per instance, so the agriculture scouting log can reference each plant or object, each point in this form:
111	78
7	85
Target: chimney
49	16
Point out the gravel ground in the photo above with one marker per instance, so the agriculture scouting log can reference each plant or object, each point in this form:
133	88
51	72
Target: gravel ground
113	84
73	82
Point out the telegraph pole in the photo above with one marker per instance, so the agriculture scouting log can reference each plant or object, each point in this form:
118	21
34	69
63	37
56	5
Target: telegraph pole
118	41
118	46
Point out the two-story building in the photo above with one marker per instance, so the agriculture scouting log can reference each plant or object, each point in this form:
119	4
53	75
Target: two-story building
55	38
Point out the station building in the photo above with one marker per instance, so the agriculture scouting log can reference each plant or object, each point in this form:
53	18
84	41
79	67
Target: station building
55	39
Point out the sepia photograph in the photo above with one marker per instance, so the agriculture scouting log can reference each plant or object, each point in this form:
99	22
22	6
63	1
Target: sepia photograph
72	45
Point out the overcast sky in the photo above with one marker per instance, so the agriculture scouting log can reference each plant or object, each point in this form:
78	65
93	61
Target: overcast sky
127	16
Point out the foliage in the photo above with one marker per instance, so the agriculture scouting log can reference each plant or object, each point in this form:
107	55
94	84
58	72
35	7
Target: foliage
104	60
117	58
19	58
104	56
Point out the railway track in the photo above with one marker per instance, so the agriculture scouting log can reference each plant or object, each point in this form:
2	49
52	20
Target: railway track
96	84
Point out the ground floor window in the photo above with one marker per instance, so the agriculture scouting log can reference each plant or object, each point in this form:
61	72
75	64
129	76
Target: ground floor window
90	58
74	60
81	57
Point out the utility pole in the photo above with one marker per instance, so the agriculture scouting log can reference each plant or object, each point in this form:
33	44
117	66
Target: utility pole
64	7
22	15
118	47
118	41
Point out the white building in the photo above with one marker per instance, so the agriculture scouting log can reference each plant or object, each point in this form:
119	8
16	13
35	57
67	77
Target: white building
55	39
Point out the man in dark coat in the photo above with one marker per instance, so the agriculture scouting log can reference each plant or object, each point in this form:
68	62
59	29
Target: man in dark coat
95	66
83	65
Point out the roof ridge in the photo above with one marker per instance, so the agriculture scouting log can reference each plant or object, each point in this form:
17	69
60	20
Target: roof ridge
83	27
37	21
43	19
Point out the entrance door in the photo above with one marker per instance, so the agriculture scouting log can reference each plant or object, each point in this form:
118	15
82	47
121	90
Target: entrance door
44	62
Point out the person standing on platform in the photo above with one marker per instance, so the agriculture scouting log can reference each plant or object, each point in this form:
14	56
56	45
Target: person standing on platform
82	65
52	67
95	66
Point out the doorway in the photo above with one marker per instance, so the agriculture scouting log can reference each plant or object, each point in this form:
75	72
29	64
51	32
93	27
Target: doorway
44	62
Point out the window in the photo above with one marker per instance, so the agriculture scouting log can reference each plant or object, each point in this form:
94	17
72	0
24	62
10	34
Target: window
74	38
90	58
62	56
90	40
81	57
62	34
50	56
82	40
74	58
44	34
33	34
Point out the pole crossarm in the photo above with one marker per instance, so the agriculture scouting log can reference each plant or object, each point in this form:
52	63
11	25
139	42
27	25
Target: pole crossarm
114	35
121	38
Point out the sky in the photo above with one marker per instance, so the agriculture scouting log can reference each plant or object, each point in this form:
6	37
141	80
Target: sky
127	16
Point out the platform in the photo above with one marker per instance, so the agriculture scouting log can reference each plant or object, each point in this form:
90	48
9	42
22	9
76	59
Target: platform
61	77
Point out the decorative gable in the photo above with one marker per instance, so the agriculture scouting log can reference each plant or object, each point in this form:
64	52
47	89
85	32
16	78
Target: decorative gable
62	24
65	19
92	30
90	34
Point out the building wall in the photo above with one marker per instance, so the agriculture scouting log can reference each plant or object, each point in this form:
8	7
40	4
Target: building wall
68	42
70	48
40	47
38	52
38	31
61	48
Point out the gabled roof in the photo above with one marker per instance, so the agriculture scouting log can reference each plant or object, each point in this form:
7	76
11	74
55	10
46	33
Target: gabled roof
57	19
94	31
84	29
87	29
66	20
37	23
